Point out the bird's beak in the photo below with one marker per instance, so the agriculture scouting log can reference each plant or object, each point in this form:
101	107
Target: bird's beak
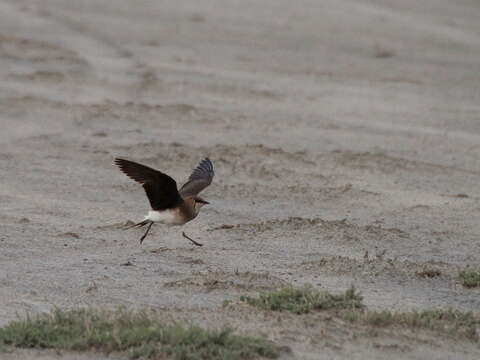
201	201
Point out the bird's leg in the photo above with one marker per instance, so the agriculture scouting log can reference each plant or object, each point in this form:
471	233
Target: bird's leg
193	241
140	224
146	232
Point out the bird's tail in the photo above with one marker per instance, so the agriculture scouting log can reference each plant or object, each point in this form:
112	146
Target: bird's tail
139	225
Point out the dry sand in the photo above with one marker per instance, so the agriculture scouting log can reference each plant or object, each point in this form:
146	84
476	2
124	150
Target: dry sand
345	135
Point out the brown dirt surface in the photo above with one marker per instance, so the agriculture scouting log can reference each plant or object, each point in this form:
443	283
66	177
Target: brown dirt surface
345	136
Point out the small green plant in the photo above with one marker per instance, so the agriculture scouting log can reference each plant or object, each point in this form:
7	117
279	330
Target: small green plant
470	278
452	322
304	300
428	273
140	334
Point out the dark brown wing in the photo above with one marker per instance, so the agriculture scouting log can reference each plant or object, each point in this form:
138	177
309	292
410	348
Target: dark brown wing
161	189
201	177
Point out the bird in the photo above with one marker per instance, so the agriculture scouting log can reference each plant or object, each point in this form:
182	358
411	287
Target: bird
169	205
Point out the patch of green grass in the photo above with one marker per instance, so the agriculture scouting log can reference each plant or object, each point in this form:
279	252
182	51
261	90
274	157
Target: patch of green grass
140	334
428	273
349	306
452	322
470	278
304	300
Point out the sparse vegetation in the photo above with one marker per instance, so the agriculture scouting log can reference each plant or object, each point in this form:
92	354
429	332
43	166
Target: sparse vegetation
451	322
140	334
349	306
304	300
470	278
428	273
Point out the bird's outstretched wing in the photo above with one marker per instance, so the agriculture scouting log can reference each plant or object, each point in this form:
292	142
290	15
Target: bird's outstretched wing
161	189
200	178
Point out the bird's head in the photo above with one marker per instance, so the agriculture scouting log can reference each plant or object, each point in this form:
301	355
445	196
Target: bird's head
199	202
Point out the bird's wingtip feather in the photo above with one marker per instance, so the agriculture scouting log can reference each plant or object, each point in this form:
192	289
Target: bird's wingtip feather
119	161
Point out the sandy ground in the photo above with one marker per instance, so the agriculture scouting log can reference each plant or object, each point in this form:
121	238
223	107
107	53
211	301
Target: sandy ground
346	140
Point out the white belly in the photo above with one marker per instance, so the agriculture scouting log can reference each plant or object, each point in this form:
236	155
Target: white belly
169	217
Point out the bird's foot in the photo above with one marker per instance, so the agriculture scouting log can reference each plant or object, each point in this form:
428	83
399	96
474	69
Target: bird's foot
193	241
